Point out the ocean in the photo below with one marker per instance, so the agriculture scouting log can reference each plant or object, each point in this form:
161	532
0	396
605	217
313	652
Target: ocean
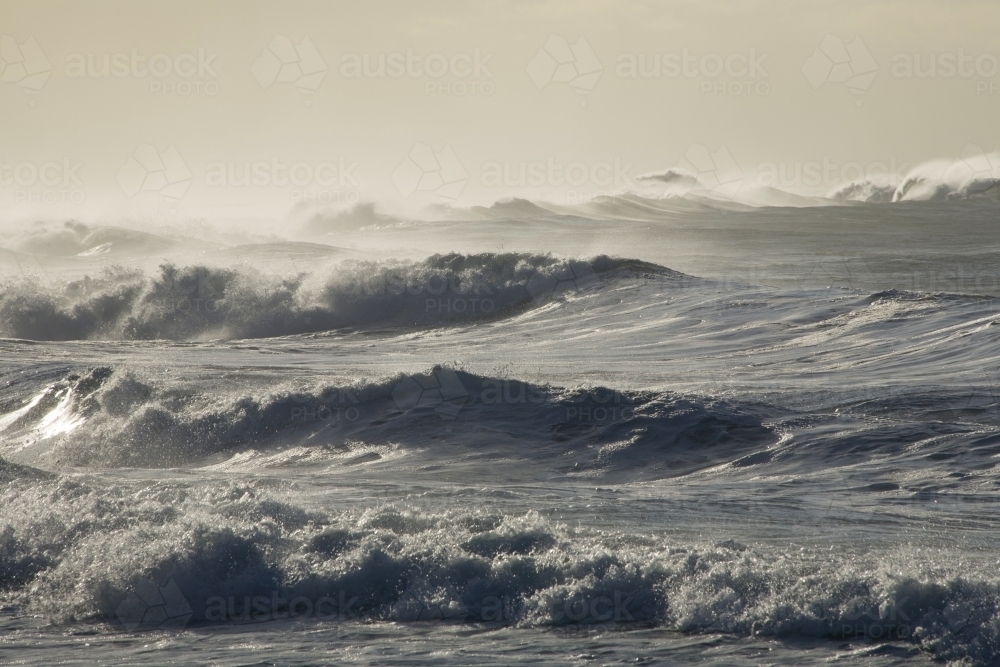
627	431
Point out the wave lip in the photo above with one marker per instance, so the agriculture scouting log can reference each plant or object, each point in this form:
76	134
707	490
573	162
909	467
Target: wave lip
201	302
974	175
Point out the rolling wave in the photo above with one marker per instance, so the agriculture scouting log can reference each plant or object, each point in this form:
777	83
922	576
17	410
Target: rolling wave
203	302
114	417
973	176
79	239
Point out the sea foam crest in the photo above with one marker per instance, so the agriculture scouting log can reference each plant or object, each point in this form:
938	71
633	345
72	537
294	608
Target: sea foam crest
204	302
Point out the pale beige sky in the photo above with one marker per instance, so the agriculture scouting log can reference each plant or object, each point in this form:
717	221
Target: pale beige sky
535	100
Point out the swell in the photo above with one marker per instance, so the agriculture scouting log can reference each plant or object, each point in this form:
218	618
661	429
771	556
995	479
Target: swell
121	417
203	302
78	239
115	417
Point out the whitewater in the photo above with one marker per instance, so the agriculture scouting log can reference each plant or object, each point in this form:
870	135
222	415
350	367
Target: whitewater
687	430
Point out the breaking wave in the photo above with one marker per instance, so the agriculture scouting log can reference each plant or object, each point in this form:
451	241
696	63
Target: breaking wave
976	175
114	417
142	555
202	302
867	191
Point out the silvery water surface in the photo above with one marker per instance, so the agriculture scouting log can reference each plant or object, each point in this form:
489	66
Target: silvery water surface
648	431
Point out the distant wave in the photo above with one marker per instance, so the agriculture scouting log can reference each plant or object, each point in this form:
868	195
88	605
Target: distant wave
79	239
976	177
356	217
973	176
203	302
677	191
867	191
514	208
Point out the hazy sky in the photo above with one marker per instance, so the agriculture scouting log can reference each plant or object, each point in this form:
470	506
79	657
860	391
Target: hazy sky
576	95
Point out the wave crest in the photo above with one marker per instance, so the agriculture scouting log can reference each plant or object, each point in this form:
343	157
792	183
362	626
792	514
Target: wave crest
113	417
202	302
